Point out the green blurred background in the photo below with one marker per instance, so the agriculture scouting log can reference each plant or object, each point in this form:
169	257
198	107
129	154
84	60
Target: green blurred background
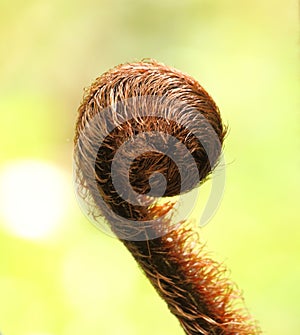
61	276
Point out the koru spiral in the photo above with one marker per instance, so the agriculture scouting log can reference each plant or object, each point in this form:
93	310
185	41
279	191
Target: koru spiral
147	132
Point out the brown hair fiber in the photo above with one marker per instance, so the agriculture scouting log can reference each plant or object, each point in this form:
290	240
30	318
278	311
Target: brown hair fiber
194	286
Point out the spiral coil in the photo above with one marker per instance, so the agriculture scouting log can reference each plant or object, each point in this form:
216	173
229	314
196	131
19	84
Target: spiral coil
146	131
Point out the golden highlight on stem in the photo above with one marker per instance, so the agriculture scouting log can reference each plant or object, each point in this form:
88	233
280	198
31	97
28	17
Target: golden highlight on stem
171	120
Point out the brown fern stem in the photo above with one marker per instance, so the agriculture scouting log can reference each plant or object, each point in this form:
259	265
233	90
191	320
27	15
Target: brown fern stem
139	120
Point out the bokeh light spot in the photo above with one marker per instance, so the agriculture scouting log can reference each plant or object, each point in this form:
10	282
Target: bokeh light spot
32	198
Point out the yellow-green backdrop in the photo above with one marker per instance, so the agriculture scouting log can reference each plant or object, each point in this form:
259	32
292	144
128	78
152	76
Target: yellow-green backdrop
61	276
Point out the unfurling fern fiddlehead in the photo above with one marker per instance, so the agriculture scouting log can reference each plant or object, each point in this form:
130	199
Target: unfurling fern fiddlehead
144	132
